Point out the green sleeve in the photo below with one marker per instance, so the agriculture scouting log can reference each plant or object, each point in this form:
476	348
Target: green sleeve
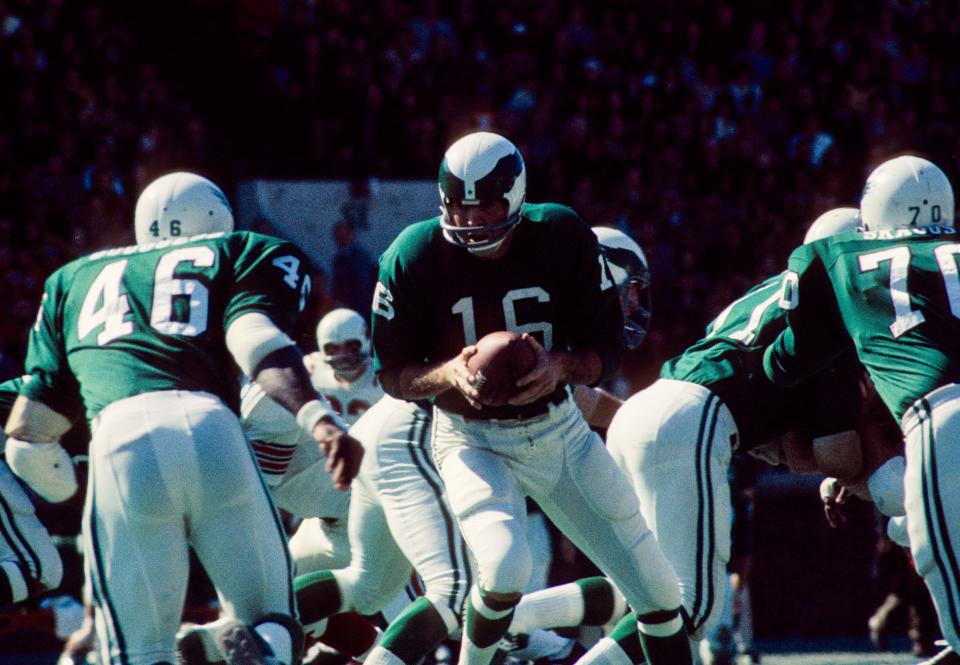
395	326
51	382
271	277
815	334
593	316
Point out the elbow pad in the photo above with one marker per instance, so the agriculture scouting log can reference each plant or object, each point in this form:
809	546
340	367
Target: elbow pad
839	455
251	338
45	467
886	486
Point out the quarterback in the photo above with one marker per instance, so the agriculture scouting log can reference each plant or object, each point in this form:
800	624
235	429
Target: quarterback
492	262
151	337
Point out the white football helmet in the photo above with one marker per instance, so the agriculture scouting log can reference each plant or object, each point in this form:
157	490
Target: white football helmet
906	191
482	167
343	327
631	273
833	222
181	205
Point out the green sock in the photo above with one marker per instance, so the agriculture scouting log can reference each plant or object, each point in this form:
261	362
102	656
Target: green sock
415	633
664	638
318	596
627	635
483	631
597	600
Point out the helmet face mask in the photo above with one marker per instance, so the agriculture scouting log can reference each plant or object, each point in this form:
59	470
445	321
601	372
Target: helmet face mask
635	302
345	358
631	274
343	342
906	191
181	204
479	171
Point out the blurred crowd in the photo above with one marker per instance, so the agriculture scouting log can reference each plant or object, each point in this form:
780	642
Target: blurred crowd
712	131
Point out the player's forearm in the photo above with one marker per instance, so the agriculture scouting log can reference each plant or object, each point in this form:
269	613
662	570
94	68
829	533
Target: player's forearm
579	367
598	406
417	381
284	379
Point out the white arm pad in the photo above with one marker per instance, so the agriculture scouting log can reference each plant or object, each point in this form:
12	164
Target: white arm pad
45	467
251	338
886	486
313	411
35	421
839	455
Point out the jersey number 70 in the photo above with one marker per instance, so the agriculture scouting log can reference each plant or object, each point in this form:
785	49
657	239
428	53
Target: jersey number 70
905	317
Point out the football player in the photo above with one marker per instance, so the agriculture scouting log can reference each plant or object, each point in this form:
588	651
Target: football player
675	440
341	371
492	262
29	562
295	470
151	336
894	293
626	265
399	523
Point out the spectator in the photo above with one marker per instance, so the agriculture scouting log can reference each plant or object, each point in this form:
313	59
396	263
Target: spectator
353	270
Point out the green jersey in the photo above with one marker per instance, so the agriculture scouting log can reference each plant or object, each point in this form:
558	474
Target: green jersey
434	297
728	361
896	294
152	317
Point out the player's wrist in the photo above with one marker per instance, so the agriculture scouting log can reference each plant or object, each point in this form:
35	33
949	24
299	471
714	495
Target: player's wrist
316	412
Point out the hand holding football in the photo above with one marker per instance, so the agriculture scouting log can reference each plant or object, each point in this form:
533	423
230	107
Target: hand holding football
502	357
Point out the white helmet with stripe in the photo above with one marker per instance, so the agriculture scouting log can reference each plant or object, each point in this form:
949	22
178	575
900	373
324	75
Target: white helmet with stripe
343	341
482	167
631	273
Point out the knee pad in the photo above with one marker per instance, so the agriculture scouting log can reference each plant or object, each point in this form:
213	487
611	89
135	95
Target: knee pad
499	545
359	593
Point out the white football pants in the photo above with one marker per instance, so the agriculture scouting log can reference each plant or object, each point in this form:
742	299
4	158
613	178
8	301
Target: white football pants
488	466
169	470
27	555
674	441
932	430
399	518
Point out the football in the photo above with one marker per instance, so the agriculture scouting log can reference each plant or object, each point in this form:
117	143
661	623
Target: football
502	357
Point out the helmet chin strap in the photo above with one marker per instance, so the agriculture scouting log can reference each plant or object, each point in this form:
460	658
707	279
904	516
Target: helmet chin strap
350	374
488	250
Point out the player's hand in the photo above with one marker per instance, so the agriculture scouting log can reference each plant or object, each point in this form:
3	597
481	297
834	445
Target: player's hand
542	379
833	495
343	452
310	362
460	377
